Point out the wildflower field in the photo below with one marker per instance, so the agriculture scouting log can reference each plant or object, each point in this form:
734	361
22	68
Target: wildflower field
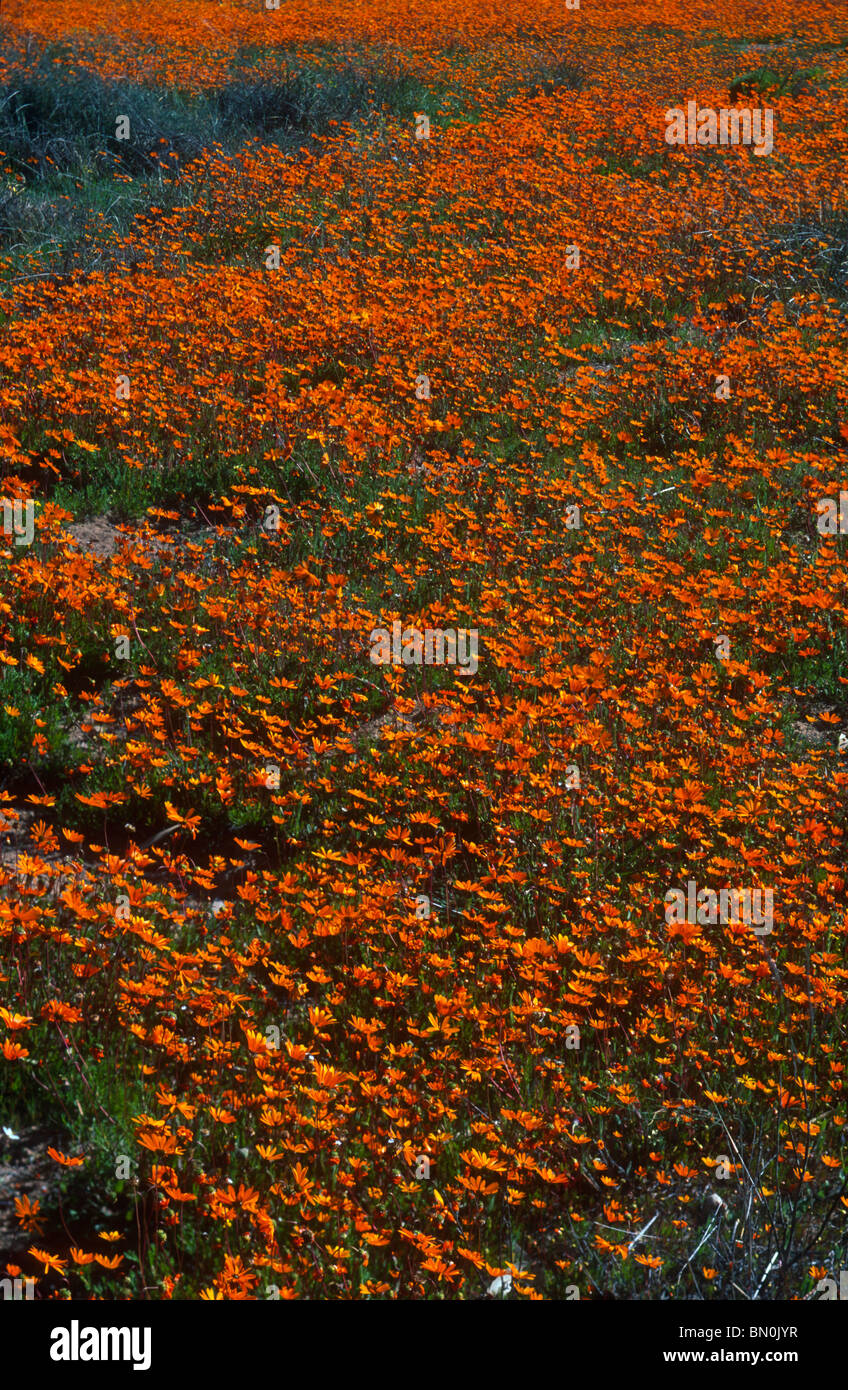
334	963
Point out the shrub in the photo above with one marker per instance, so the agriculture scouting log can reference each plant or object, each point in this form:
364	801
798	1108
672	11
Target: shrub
765	81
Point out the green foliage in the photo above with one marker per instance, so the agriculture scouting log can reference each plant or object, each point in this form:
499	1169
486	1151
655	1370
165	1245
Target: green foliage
770	82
